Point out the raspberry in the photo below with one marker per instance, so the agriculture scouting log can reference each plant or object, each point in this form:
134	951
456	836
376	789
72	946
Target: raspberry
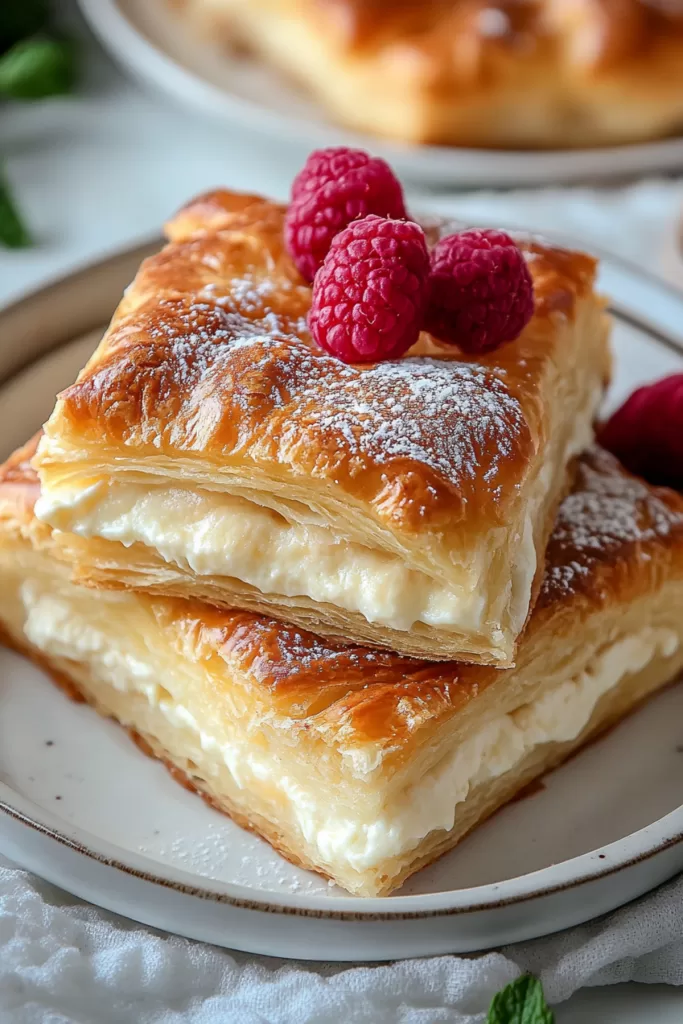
325	165
369	295
646	432
337	188
481	293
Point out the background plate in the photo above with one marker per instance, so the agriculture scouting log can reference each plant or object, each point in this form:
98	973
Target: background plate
151	40
85	809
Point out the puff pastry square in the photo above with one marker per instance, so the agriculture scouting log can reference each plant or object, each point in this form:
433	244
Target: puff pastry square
495	73
360	764
210	450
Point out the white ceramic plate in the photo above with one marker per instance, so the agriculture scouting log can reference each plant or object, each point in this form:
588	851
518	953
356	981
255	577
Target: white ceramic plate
85	809
150	40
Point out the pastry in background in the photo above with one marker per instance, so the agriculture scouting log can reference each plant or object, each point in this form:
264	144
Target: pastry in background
506	73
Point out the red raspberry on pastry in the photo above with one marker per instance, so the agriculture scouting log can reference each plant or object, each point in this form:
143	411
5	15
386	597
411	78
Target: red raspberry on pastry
646	432
331	164
335	187
369	295
481	293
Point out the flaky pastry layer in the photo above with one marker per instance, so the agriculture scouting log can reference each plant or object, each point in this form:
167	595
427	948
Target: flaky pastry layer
512	73
361	764
209	450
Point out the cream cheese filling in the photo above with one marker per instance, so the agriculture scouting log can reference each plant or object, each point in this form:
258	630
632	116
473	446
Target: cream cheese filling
211	534
525	560
122	649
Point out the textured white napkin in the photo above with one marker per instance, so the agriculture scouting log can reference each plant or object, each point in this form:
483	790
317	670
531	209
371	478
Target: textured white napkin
62	961
66	962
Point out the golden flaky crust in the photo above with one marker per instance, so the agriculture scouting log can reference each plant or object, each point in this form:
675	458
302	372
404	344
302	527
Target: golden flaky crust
208	356
475	72
616	540
440	467
436	465
370	728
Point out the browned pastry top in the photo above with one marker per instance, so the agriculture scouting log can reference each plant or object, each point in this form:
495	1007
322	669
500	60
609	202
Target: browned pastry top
594	33
209	353
616	539
607	531
18	469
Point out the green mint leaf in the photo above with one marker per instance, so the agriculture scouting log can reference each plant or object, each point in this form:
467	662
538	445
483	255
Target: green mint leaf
21	18
36	68
521	1002
13	233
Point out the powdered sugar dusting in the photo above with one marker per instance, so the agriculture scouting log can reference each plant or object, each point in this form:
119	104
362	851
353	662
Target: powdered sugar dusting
308	650
607	514
200	336
246	293
284	653
450	417
457	419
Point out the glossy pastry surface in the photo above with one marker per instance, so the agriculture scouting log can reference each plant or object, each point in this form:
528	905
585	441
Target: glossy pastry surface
361	764
210	450
509	73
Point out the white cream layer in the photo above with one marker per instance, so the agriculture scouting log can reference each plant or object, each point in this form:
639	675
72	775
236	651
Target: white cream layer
122	647
211	534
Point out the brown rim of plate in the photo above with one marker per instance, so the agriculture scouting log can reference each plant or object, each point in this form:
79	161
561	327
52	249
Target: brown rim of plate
340	915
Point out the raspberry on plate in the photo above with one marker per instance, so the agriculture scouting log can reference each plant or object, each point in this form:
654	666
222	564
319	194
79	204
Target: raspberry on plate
336	187
646	432
369	295
481	293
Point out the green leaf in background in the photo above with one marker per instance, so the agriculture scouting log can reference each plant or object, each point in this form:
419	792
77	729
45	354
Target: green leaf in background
521	1002
20	18
35	68
13	233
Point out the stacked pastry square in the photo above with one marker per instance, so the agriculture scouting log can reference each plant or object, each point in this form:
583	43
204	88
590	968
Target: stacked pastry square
356	606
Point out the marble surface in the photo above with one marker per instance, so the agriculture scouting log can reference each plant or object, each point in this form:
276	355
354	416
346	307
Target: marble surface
100	170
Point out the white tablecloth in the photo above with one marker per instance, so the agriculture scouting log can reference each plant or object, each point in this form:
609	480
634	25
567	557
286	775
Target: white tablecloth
67	962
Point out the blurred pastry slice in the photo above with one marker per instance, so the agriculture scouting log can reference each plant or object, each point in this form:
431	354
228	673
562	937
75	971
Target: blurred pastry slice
490	73
360	764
